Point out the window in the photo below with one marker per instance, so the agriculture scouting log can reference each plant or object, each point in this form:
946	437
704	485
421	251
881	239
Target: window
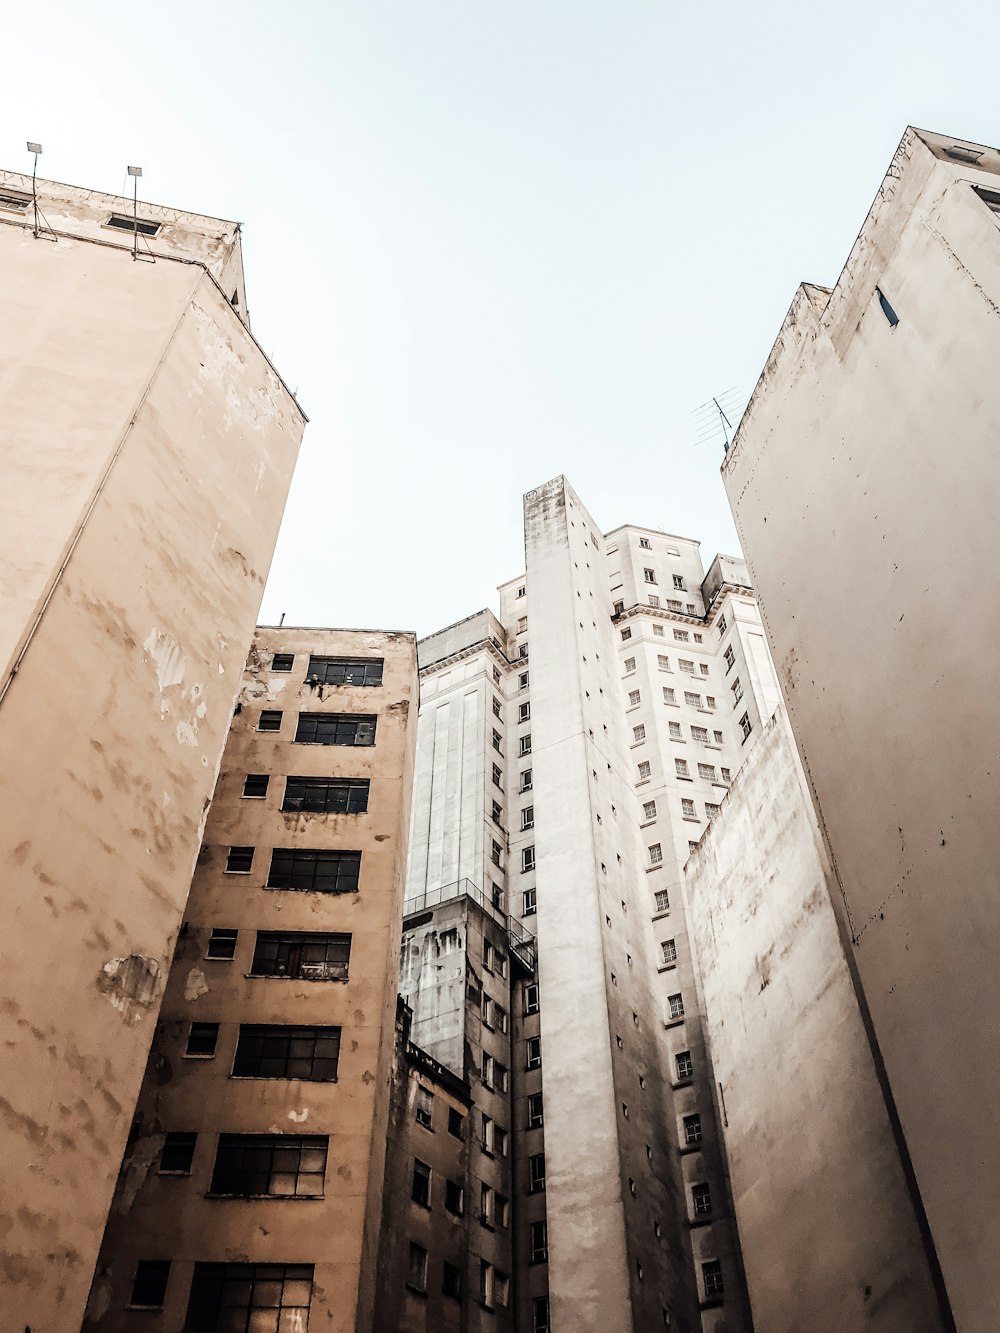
662	901
711	810
527	858
523	650
269	720
525	779
486	1204
244	1297
255	785
496	739
539	1243
707	771
487	1277
177	1154
531	998
499	1017
618	608
654	601
725	775
496	854
662	662
522	680
420	1188
649	809
745	725
674	730
222	944
496	674
308	871
678	582
687	809
644	543
630	664
149	1285
692	1129
336	729
692	700
692	846
697	638
307	956
423	1112
17	202
722	626
668	951
535	1110
669	696
737	690
489	956
523	712
729	656
528	903
676	1005
451	1280
686	665
456	1122
528	817
649	575
681	768
655	854
274	1165
644	770
639	733
282	661
327	795
308	1053
540	1315
711	1275
709	701
202	1039
534	1057
239	861
416	1272
488	1070
626	634
682	636
496	895
140	225
685	1067
497	775
525	745
497	813
658	631
522	624
454	1197
345	670
699	734
633	698
536	1173
496	706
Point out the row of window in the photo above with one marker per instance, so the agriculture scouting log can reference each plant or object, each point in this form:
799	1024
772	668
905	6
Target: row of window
277	1166
523	745
525	779
334	670
681	636
311	1054
685	664
707	772
306	955
314	795
324	728
523	710
698	734
232	1298
302	869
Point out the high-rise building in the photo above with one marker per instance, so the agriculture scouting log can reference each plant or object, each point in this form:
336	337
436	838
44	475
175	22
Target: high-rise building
148	446
251	1193
863	480
570	753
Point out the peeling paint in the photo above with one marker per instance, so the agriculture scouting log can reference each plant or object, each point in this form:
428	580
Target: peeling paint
168	657
131	984
195	985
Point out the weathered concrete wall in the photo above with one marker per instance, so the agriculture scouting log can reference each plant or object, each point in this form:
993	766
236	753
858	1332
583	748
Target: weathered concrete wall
147	452
829	1235
863	481
166	1217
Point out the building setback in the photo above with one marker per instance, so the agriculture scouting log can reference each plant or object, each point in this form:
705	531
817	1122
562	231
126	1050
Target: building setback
251	1193
148	446
569	754
863	480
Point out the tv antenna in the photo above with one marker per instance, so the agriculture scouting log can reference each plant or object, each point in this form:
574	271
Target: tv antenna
716	417
36	148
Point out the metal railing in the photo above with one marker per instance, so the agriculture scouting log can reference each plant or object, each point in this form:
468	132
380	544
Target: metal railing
521	943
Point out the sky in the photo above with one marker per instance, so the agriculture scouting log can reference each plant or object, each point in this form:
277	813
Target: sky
490	243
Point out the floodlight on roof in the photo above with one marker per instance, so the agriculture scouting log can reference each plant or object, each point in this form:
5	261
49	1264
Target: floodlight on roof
135	171
34	147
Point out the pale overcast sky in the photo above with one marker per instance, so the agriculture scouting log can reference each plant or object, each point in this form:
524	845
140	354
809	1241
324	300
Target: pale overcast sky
489	243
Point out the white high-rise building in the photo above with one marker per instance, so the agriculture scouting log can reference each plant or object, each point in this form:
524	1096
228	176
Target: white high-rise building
570	753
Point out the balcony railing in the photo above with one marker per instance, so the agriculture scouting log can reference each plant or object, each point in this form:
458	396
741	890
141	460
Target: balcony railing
520	942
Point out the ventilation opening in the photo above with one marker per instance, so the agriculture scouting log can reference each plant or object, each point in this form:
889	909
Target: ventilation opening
14	201
143	227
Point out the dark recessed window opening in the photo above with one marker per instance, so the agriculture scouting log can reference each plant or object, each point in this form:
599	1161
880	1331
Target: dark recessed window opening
270	720
177	1154
202	1039
17	201
239	861
336	729
282	661
345	670
304	1053
255	785
314	871
327	795
276	1165
142	225
249	1297
222	944
308	957
149	1286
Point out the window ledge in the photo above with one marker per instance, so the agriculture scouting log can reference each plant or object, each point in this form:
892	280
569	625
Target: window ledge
674	1023
658	916
643	782
686	1149
691	819
683	1082
667	967
681	778
416	1291
650	869
694	1222
710	1303
678	740
267	976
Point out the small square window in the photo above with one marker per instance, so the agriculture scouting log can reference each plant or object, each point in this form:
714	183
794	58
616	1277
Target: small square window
711	1274
663	662
649	809
649	575
725	771
527	858
644	543
269	720
630	664
633	698
202	1039
678	581
149	1285
687	809
669	695
618	608
523	712
522	624
522	680
255	785
626	634
674	730
639	733
662	901
701	1197
658	631
522	590
222	944
239	861
282	661
655	854
699	734
177	1154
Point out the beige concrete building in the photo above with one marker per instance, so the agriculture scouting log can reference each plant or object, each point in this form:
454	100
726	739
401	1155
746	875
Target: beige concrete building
863	480
251	1193
829	1233
147	450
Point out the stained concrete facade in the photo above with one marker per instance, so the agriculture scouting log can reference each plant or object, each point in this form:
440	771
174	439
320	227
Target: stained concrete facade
148	446
248	959
863	481
830	1236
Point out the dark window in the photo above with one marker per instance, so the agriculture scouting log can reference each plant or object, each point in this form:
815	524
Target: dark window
692	1129
288	1052
424	1109
239	861
531	998
420	1190
540	1315
454	1197
255	784
701	1196
177	1154
539	1243
534	1048
451	1282
416	1274
14	201
314	871
456	1123
496	706
536	1173
269	720
245	1298
534	1110
684	1066
711	1273
345	670
272	1164
202	1038
327	795
140	225
222	944
336	729
310	957
282	661
149	1286
497	775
